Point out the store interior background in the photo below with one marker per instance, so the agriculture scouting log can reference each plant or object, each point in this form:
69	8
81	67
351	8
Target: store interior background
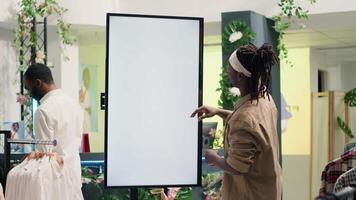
326	44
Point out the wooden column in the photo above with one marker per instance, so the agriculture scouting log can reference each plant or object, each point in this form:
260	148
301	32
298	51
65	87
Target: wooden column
331	126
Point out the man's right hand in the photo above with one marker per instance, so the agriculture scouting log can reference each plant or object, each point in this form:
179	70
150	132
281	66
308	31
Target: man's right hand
205	112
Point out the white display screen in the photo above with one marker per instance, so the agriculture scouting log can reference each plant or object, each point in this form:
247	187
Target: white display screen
153	84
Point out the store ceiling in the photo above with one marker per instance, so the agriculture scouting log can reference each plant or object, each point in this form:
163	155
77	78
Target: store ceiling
333	34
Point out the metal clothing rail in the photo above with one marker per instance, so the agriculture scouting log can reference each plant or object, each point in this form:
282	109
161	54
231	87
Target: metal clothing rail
36	142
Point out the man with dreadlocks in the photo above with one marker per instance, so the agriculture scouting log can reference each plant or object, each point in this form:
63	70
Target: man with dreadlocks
251	161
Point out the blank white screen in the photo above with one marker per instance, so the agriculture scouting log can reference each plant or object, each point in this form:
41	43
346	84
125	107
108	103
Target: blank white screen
153	86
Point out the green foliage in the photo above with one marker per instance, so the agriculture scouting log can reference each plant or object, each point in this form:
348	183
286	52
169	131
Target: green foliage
94	184
234	27
109	197
227	100
350	98
218	142
212	184
29	11
146	194
344	127
289	10
184	194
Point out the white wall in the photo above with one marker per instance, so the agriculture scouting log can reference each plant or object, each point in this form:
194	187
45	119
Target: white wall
334	79
9	108
80	11
317	61
65	73
348	73
93	11
340	76
334	75
211	10
54	55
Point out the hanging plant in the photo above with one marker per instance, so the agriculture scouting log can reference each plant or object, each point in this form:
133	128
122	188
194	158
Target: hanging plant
26	39
349	100
344	127
289	10
236	34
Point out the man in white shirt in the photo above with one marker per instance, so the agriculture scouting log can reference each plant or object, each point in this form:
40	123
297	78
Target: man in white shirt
57	118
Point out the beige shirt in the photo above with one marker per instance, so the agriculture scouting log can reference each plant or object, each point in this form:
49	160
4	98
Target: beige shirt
252	149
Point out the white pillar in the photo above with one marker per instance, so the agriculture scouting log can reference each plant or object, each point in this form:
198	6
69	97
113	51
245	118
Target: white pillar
65	73
9	108
70	72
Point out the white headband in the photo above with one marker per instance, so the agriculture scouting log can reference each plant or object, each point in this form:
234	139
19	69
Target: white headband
237	66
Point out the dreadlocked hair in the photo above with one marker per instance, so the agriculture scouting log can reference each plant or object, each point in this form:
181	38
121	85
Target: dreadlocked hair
259	62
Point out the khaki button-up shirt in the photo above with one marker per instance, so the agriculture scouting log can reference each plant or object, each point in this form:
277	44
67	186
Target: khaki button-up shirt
252	149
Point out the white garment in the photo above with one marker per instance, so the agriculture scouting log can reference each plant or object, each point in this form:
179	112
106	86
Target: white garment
14	182
41	179
59	117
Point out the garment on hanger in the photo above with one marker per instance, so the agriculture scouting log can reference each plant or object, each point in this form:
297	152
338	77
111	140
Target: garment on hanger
346	179
38	177
335	169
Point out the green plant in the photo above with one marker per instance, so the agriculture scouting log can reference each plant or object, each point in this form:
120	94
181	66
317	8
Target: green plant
349	100
235	34
227	100
26	38
95	181
93	184
212	184
289	10
184	194
146	194
218	140
344	127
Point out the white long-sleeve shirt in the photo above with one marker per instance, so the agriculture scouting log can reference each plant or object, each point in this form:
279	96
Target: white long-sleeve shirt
59	117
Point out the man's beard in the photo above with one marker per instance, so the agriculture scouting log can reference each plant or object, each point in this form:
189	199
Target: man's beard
36	94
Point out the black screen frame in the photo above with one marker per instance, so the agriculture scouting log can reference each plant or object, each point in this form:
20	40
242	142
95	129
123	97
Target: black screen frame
200	97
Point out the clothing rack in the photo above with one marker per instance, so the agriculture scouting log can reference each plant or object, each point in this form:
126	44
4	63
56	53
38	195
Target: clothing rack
7	151
348	193
36	142
7	147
